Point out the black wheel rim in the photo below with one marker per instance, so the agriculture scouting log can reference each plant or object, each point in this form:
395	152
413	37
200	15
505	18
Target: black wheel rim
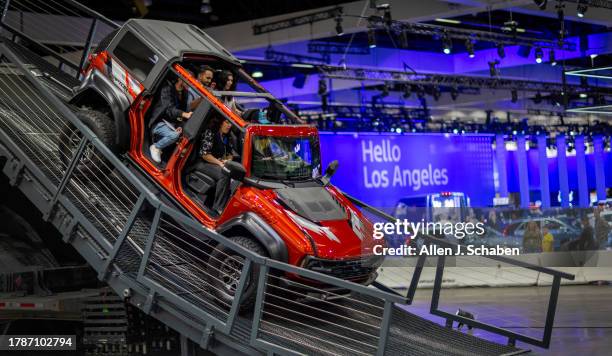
229	273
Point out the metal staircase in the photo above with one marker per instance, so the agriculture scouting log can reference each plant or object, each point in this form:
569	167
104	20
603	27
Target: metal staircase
157	258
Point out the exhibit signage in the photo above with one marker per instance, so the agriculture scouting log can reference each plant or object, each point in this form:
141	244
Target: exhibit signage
381	169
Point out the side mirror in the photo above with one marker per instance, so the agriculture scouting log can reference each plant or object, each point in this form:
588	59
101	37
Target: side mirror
234	170
329	172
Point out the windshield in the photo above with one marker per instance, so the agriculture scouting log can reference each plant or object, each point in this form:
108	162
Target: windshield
285	158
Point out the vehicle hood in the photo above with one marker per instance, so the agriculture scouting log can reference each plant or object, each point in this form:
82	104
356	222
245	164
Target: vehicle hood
313	203
337	229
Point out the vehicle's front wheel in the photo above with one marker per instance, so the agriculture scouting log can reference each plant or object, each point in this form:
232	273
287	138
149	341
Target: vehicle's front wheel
70	137
225	268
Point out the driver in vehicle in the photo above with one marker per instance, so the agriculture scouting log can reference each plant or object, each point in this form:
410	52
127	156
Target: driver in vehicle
215	150
167	116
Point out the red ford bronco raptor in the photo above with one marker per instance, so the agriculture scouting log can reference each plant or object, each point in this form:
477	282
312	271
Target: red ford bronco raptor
281	207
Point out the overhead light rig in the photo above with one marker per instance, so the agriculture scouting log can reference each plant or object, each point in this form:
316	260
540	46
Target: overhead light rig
323	47
286	57
398	77
335	13
467	34
604	4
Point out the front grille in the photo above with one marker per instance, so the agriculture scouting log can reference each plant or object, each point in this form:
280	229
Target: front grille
357	270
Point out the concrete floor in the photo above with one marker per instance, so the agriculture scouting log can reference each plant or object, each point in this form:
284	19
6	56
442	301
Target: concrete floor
583	323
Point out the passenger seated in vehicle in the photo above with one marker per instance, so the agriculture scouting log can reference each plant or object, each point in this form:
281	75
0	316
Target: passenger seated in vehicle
215	150
225	82
168	115
205	76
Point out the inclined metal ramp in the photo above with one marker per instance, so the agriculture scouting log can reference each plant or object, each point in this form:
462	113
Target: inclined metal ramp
158	259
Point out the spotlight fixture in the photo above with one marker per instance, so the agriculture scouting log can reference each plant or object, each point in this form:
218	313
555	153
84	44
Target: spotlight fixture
205	7
420	92
447	43
514	95
339	29
493	71
386	8
551	57
385	90
538	55
371	38
435	92
538	98
541	4
501	51
469	46
581	9
454	93
257	74
322	87
407	91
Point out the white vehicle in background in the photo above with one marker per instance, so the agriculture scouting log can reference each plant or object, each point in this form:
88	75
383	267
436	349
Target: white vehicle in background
443	206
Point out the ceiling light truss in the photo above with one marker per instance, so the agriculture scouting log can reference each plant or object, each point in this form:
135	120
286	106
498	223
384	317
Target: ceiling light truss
307	19
470	34
396	77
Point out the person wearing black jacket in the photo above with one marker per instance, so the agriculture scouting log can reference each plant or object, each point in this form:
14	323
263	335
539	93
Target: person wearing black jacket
167	117
215	150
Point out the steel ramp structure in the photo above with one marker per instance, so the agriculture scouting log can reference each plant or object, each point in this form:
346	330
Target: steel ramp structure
157	258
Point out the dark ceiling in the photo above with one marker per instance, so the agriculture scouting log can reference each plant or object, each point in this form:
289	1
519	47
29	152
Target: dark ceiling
223	12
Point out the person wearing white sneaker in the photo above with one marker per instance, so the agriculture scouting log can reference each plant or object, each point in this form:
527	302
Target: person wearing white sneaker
167	117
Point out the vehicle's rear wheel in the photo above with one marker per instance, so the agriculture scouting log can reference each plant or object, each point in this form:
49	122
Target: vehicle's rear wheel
91	162
225	268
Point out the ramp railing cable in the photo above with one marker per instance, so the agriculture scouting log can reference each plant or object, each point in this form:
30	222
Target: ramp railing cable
36	22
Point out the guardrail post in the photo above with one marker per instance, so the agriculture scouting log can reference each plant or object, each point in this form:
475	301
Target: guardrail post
261	288
4	10
124	233
437	284
244	276
384	328
550	314
149	245
66	178
87	47
416	276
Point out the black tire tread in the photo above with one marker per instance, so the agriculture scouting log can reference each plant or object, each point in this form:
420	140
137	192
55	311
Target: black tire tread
248	298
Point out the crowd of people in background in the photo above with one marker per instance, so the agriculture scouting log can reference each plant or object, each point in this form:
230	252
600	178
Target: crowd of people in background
577	229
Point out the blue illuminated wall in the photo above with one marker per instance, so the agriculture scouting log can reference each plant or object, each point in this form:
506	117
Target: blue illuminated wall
381	169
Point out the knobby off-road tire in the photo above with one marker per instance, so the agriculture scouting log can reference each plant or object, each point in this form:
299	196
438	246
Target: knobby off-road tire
225	267
91	162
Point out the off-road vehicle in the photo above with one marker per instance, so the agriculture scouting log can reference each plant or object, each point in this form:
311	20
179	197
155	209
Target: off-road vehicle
280	206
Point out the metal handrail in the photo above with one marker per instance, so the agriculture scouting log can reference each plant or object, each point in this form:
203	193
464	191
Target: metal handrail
512	336
95	16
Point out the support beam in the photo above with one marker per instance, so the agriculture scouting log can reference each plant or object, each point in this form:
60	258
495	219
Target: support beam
521	159
562	164
543	170
583	187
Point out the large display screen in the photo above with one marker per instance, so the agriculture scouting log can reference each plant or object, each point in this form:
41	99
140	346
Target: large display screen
381	169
